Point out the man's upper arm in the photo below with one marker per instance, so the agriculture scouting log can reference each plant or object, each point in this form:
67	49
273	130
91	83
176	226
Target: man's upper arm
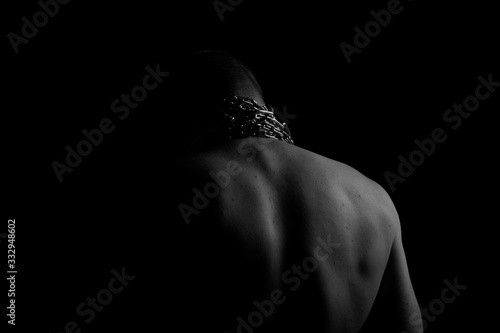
396	308
396	288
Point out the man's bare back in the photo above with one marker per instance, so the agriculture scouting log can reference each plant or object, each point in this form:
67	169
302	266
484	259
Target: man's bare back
279	239
309	242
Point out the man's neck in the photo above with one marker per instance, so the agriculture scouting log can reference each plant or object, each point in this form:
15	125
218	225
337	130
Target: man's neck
249	92
246	150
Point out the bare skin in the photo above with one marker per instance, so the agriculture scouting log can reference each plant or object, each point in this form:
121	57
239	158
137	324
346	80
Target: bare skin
290	241
273	210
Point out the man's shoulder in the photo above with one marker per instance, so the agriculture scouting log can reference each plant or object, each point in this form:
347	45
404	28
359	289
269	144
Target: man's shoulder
339	172
353	183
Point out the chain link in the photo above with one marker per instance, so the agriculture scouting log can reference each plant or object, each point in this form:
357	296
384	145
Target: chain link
242	117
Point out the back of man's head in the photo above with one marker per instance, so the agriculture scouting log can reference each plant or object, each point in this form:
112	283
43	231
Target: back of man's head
205	77
197	86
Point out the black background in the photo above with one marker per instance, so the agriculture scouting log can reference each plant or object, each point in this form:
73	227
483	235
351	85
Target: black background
111	211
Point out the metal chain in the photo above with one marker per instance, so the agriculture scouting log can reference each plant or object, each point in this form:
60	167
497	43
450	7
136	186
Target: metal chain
242	117
247	118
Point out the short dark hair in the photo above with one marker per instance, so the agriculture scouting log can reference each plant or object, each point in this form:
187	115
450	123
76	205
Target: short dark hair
207	76
197	86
